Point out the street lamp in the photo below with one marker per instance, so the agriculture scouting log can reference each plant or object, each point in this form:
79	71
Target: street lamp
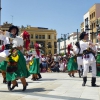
77	35
0	12
63	37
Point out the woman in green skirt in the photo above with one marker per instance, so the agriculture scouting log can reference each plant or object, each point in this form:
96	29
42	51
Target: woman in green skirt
72	66
34	67
16	67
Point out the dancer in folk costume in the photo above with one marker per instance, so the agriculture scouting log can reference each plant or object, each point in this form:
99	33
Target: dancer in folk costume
79	54
3	64
98	55
72	64
88	58
16	67
34	68
26	38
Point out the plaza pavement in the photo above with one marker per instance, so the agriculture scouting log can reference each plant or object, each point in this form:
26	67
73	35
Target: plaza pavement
53	86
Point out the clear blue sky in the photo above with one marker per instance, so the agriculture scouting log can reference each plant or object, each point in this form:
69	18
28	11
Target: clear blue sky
63	15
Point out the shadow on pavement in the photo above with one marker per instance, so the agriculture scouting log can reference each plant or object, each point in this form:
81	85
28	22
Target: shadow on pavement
47	79
54	96
28	90
32	90
29	82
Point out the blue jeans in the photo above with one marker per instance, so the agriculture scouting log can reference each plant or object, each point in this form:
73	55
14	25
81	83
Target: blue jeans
44	64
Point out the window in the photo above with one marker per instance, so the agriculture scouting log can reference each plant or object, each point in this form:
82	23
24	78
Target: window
31	36
48	36
94	25
94	14
36	36
49	51
55	44
90	26
39	36
43	36
49	45
90	16
55	50
55	37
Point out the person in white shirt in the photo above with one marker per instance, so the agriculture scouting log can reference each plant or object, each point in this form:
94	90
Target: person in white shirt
88	58
61	66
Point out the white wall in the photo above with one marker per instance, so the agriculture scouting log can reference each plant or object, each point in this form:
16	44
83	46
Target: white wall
84	17
73	40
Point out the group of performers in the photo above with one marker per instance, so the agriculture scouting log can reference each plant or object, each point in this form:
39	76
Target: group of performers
83	55
13	61
13	64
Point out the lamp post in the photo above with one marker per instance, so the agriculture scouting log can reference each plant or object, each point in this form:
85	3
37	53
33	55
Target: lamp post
0	12
63	37
77	35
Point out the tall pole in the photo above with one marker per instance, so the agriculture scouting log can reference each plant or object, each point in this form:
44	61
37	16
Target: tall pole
59	46
77	35
65	43
0	12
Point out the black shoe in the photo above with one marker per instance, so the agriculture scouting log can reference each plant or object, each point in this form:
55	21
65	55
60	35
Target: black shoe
14	86
33	79
9	85
4	81
39	75
24	87
70	75
73	75
84	81
93	82
39	78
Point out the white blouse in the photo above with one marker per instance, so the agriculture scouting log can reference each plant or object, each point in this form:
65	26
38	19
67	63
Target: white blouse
18	41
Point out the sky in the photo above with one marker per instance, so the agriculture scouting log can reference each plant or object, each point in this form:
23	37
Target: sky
65	16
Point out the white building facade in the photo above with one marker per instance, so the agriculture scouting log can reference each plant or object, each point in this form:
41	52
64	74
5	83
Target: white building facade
86	20
61	44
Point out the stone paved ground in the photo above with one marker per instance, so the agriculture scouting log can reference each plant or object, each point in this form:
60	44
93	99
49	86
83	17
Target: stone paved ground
53	86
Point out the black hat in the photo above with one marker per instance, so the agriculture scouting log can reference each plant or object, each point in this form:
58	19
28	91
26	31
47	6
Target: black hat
13	27
82	35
